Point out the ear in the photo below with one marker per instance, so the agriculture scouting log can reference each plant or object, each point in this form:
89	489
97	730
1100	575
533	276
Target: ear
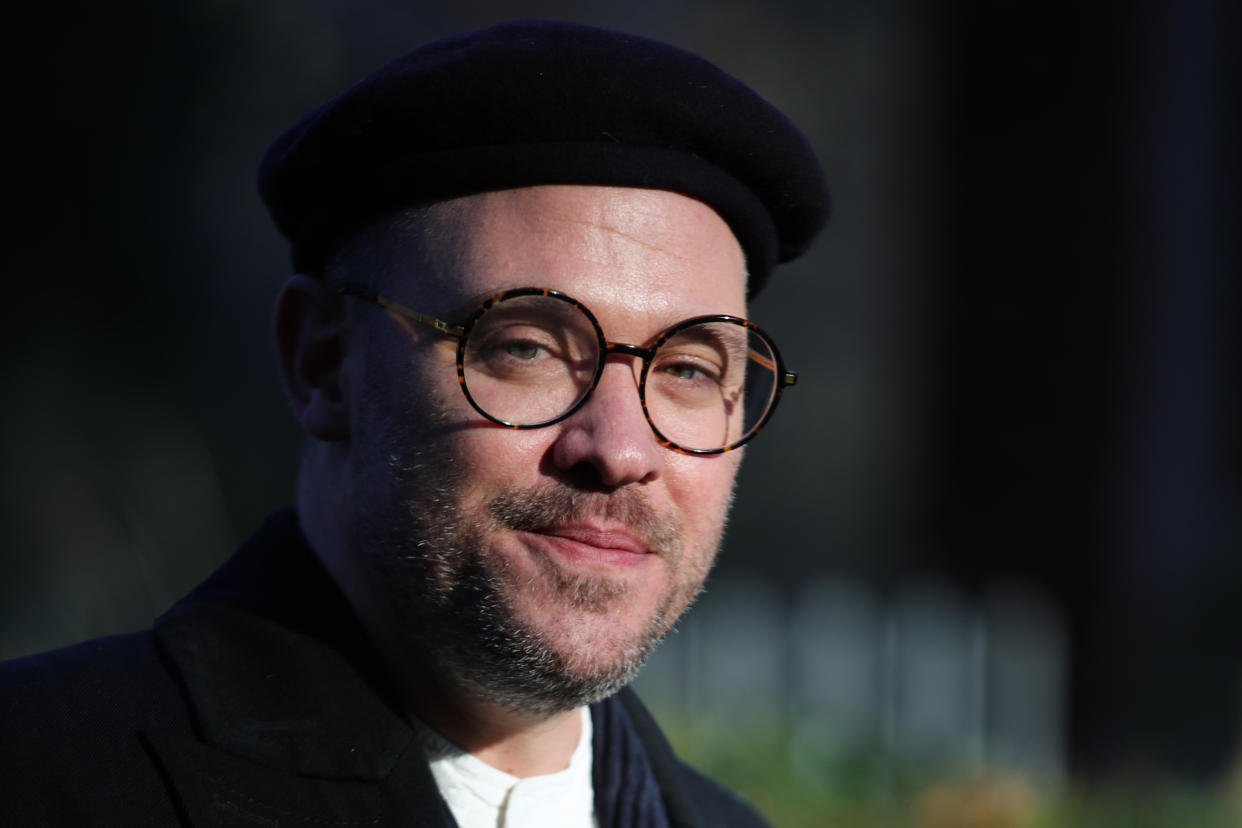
310	347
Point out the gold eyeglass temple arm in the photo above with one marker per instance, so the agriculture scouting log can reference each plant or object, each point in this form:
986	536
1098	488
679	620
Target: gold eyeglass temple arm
384	302
788	378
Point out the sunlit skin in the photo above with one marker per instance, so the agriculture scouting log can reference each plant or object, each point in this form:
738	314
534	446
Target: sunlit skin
641	260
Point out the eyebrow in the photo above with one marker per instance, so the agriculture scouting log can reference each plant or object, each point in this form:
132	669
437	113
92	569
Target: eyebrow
734	347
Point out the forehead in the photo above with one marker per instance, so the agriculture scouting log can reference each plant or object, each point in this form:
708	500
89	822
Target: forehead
653	252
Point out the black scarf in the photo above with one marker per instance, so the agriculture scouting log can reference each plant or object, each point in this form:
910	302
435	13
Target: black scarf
626	792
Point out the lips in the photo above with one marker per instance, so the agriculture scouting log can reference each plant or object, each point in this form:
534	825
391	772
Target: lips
615	528
611	545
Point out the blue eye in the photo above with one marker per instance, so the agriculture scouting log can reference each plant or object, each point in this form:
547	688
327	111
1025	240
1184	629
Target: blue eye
522	350
682	371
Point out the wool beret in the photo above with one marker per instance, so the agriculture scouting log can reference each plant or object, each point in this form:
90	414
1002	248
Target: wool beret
532	102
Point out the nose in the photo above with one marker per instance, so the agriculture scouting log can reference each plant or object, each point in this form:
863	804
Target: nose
608	440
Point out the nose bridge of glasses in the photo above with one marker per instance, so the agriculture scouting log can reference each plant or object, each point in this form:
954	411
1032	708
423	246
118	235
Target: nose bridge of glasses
621	349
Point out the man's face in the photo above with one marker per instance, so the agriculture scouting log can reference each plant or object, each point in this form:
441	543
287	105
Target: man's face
538	568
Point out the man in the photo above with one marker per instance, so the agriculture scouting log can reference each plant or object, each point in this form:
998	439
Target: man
516	343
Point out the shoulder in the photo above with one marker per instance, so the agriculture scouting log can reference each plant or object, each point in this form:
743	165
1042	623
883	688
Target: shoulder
73	724
68	698
94	676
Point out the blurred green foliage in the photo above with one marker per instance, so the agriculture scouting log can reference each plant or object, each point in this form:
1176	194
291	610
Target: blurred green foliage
865	789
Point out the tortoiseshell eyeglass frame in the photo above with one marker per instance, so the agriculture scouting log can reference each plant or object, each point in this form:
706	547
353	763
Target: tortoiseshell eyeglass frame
784	377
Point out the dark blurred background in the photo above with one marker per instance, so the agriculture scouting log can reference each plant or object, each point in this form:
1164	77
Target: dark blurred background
1018	339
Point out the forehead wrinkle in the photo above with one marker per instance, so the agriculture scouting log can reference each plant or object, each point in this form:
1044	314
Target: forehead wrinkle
599	225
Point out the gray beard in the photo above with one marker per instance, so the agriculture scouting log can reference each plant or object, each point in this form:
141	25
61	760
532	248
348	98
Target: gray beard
452	605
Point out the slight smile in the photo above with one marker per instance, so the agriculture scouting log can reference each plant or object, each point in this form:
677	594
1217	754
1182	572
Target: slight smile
610	546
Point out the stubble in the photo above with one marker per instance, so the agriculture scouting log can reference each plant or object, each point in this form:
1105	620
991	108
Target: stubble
457	608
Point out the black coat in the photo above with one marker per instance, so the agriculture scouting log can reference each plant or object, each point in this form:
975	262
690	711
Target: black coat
252	702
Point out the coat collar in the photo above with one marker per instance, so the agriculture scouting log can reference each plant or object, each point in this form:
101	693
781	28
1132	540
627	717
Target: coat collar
276	667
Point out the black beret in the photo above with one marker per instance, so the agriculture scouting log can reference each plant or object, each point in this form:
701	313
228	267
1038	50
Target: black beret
545	102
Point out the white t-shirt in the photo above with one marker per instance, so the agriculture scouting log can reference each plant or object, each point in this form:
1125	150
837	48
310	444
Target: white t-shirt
481	796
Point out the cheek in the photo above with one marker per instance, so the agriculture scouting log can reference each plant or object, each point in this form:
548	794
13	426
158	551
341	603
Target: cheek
403	385
702	488
493	459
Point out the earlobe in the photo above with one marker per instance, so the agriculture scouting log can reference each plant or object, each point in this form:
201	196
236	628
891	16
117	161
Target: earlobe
307	326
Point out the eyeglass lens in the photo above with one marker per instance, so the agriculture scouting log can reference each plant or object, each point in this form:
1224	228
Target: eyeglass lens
528	360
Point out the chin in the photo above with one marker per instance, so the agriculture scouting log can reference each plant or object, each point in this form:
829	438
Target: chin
544	658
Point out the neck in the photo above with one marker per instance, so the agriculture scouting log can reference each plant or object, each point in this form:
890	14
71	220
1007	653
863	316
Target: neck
519	744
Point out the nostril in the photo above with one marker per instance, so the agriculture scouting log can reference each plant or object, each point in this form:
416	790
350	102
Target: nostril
585	476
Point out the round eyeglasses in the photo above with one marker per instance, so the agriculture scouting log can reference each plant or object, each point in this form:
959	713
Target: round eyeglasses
531	357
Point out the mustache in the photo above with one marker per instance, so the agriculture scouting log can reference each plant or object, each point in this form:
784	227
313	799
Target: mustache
529	510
